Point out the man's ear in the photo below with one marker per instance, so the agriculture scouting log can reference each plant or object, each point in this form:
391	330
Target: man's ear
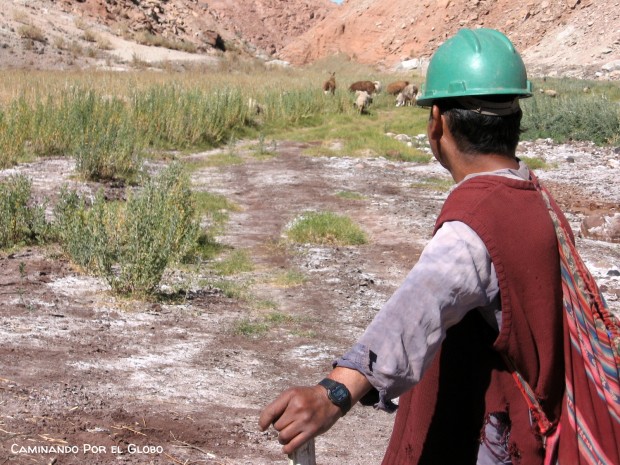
435	124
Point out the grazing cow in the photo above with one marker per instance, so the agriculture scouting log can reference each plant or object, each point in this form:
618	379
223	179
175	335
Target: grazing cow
369	87
396	87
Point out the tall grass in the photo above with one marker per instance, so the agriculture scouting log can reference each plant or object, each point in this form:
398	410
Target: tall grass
593	115
208	106
104	144
108	129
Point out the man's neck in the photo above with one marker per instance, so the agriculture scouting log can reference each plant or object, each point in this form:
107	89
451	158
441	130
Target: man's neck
472	164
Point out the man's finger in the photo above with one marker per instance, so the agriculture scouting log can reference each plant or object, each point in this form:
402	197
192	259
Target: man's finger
272	412
296	442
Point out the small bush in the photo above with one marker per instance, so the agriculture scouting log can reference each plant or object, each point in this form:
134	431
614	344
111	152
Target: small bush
21	222
326	228
104	43
216	208
81	229
132	243
28	31
149	39
89	36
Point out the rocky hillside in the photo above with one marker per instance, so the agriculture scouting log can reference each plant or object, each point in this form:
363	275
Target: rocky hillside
63	34
556	37
574	37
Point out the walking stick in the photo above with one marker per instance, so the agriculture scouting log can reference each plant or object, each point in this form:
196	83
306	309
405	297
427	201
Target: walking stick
304	455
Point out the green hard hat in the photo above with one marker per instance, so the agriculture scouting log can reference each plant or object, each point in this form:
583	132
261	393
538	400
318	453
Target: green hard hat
475	62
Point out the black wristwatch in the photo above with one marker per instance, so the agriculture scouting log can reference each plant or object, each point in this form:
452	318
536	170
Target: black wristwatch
338	394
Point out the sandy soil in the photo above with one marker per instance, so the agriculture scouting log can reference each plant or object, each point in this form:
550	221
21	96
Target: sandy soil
103	380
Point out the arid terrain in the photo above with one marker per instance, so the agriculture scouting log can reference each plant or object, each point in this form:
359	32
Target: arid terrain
89	378
172	382
579	38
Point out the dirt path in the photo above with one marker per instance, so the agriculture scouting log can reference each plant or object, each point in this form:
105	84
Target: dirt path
166	383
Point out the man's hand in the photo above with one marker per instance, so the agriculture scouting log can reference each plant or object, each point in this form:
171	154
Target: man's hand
299	414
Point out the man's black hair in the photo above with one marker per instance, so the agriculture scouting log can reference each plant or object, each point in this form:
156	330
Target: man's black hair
478	133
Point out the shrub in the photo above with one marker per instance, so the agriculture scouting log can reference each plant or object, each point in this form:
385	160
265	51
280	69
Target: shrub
82	232
21	222
28	31
130	244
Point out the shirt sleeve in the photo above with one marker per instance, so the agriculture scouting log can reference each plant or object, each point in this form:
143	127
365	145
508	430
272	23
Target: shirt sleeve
453	276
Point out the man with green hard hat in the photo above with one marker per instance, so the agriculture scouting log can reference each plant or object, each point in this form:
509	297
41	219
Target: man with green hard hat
485	293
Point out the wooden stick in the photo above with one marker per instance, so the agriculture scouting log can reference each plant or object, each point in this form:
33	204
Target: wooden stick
304	455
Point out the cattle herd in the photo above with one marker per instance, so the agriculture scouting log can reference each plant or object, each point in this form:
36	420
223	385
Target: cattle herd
405	92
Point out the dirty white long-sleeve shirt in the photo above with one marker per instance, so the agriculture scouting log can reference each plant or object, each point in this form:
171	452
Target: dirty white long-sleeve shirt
453	276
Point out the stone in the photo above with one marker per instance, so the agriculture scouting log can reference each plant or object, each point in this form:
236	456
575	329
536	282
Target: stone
408	65
602	227
611	66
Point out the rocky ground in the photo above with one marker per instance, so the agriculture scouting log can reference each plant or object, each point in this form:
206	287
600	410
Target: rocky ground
106	380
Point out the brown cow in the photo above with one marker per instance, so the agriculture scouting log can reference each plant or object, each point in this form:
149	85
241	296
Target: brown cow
367	86
396	87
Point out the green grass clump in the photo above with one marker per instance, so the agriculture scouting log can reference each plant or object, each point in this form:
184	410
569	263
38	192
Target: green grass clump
255	327
438	184
215	207
250	328
233	289
130	244
349	195
289	278
326	228
534	163
278	318
21	221
238	261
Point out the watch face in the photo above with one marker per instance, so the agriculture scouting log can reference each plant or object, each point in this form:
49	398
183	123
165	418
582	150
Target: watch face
339	394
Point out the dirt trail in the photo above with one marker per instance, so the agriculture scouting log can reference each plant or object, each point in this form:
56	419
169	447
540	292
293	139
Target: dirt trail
172	382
